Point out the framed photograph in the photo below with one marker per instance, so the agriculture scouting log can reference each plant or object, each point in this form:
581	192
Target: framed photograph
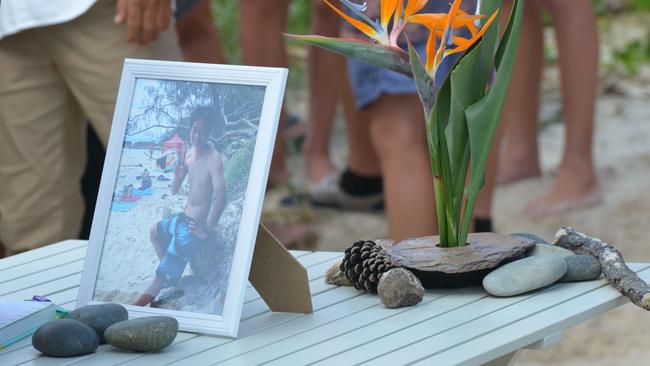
182	191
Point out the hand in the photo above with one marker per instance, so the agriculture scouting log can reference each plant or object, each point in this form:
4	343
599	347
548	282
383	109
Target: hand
145	19
198	229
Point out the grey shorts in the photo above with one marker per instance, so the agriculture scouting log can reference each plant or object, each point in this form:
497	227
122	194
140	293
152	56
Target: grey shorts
369	82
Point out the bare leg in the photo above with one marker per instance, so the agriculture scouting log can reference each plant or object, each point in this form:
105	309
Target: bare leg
362	156
397	131
511	112
156	285
198	36
576	184
260	29
323	94
520	158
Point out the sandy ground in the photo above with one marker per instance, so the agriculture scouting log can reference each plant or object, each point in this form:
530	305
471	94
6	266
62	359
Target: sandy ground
622	155
127	235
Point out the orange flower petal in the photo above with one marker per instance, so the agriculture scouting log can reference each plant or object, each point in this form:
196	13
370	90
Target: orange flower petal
430	21
398	13
431	51
363	27
467	20
413	6
464	44
387	10
453	11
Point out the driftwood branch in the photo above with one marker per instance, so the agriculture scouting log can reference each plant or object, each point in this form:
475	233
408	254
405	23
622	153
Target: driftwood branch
626	281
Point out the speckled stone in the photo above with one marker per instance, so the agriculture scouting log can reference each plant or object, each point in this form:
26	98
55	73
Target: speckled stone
99	317
544	249
149	334
334	276
65	338
399	287
581	268
524	275
533	237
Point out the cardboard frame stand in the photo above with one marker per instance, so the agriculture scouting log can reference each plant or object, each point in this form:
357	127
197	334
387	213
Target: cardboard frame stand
278	277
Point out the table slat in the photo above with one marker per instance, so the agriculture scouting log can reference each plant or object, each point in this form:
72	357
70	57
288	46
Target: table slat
463	326
416	343
43	252
526	331
63	293
35	279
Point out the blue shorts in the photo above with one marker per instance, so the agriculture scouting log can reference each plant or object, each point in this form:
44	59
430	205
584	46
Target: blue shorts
180	244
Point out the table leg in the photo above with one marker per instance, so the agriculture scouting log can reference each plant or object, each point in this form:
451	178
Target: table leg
505	360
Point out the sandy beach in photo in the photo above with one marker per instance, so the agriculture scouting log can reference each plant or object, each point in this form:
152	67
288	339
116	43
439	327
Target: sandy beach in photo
120	278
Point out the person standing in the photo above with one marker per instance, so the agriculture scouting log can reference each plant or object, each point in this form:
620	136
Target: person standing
60	63
576	184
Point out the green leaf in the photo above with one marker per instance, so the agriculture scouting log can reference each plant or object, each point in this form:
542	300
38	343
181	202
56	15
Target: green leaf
468	81
390	58
483	116
425	85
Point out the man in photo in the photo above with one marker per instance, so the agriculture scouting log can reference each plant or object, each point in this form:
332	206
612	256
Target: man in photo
176	239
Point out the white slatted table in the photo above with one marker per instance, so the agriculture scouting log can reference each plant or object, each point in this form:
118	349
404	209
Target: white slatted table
449	327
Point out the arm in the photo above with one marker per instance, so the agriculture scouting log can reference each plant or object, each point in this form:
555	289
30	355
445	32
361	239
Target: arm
179	174
219	202
198	36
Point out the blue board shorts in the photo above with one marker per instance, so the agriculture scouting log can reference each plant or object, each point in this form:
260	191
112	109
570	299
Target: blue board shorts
174	234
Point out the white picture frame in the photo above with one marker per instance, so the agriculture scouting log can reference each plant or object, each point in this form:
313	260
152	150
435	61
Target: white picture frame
273	80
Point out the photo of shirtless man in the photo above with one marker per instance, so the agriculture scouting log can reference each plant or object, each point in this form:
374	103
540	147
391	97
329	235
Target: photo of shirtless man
177	238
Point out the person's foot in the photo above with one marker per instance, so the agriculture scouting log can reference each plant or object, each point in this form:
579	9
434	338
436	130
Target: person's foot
513	169
571	191
319	170
344	191
326	188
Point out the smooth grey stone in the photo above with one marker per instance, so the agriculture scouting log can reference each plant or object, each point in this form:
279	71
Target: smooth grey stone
524	275
399	287
581	268
99	317
149	334
544	249
65	338
533	237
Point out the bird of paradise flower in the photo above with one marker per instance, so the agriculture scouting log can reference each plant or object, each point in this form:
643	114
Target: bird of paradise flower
462	114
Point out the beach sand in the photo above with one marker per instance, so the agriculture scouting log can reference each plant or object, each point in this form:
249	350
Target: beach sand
127	236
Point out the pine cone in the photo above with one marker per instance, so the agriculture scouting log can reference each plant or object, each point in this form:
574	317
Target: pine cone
364	263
